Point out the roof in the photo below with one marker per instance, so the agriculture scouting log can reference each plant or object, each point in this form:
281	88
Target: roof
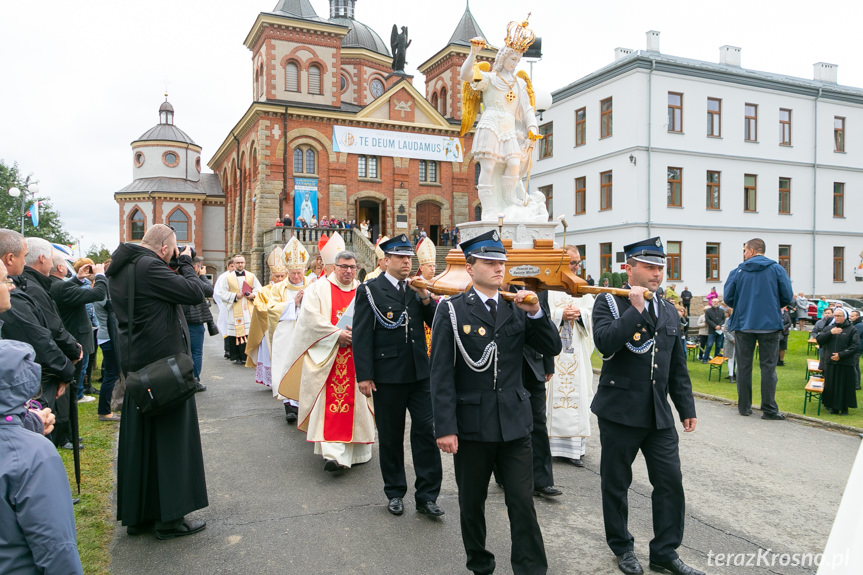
361	36
711	71
209	185
299	9
467	28
168	132
166	107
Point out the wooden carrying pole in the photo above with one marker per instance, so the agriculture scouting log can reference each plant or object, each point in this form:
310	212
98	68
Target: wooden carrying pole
510	296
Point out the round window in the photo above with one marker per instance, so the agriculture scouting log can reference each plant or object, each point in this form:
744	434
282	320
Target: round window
139	159
170	159
377	88
344	83
198	164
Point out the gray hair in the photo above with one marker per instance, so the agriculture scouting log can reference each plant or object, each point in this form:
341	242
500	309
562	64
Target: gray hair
346	255
36	248
58	260
11	242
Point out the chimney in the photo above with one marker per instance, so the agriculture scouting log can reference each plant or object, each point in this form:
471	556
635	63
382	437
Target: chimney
653	41
825	72
729	55
620	53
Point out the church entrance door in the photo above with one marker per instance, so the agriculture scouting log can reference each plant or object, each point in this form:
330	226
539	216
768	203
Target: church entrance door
428	218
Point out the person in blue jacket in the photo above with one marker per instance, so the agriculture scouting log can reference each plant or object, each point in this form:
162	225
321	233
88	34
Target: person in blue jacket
757	289
37	524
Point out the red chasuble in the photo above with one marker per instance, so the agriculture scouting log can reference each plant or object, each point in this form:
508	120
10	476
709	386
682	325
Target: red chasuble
341	383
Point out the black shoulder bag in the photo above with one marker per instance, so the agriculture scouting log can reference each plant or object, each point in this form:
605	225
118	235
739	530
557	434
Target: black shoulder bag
163	385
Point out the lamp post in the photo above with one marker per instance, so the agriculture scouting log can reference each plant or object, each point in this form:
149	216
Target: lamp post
15	192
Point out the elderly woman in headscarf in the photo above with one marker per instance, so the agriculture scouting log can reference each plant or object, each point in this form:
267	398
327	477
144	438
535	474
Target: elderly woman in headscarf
839	343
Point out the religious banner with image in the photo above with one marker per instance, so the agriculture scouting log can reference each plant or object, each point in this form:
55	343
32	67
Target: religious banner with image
305	199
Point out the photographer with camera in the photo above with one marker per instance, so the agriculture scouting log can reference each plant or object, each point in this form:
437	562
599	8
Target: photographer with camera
197	317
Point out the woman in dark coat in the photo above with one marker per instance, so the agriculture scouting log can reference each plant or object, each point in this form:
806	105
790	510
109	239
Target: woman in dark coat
839	343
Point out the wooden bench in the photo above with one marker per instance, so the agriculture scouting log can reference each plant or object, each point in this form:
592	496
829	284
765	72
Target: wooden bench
811	345
691	350
815	386
812	368
716	364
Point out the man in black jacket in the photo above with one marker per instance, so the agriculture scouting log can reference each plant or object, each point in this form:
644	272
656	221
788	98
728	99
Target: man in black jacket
160	464
482	411
714	317
391	362
644	362
197	318
34	319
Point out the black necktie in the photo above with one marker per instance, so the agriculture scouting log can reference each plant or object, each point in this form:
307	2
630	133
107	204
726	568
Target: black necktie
650	305
492	308
402	288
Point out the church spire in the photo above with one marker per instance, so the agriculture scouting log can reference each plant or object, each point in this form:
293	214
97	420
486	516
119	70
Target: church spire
342	8
166	112
467	28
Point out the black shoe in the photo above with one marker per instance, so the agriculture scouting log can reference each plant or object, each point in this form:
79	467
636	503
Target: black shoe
628	563
428	508
676	567
548	491
396	506
200	387
239	362
747	412
576	461
140	528
290	413
184	527
732	380
76	501
773	416
780	362
332	465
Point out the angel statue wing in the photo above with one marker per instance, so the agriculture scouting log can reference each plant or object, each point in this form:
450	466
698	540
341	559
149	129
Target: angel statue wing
523	75
470	100
394	39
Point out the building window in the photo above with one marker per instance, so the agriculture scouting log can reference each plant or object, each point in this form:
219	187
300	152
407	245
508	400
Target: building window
314	79
838	134
198	164
292	77
171	159
548	192
138	225
675	112
477	212
838	264
139	159
580	126
784	127
714	117
785	258
838	200
443	102
784	195
751	123
305	160
477	170
712	255
180	222
605	124
428	171
376	87
343	83
605	258
713	190
546	144
675	187
580	195
367	167
434	102
605	190
750	193
672	260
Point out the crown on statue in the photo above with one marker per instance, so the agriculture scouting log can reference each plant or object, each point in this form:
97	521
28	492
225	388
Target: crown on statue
518	36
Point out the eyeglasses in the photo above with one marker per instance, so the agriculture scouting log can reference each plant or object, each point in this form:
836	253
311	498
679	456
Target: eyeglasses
9	283
346	267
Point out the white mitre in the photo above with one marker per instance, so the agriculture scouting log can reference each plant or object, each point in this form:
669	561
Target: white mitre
426	252
335	245
295	255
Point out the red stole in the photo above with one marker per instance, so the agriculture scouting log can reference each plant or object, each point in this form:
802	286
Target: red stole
341	382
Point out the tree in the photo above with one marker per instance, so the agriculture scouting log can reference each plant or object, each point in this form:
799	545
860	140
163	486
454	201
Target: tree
98	254
50	227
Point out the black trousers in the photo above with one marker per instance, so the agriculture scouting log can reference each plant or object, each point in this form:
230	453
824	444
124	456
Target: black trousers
392	400
235	350
620	444
473	466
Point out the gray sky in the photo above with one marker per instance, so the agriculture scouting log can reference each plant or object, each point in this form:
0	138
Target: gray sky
82	80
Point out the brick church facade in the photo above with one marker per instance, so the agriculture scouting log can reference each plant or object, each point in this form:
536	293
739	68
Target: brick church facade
310	74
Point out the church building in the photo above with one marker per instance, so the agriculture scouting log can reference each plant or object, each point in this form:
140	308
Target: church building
335	132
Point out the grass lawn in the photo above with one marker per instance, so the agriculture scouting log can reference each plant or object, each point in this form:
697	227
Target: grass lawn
789	389
94	515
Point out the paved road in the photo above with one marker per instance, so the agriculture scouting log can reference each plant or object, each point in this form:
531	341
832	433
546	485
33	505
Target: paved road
751	485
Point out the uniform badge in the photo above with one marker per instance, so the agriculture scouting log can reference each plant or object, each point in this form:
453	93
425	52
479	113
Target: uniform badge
466	329
636	337
481	331
389	315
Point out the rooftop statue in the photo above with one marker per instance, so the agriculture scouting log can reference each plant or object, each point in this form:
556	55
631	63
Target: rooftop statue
399	43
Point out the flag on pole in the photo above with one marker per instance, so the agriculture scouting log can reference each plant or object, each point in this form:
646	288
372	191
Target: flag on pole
34	214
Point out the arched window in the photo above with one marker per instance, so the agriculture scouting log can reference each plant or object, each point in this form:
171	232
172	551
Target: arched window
477	212
305	160
292	77
443	102
314	79
434	101
180	222
138	225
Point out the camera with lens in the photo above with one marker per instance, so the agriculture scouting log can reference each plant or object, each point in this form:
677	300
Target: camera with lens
174	264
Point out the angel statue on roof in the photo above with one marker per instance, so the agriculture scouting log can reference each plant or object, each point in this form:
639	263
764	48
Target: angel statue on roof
507	130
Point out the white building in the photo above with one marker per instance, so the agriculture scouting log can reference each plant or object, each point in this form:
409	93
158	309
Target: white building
708	155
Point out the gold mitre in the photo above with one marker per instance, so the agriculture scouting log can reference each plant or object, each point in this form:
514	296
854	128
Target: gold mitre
378	251
335	245
426	252
518	36
275	261
295	256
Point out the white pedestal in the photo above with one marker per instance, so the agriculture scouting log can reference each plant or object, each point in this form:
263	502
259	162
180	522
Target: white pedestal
522	234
